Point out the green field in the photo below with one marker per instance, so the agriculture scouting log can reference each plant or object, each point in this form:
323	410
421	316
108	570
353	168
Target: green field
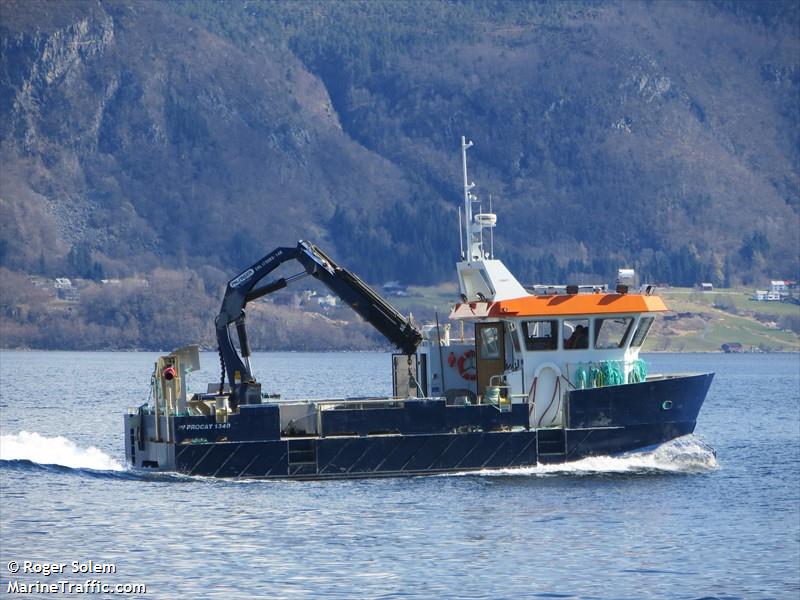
704	321
739	298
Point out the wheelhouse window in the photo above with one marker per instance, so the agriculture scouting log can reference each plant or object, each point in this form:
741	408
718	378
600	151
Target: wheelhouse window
490	342
540	335
575	334
511	332
641	331
611	333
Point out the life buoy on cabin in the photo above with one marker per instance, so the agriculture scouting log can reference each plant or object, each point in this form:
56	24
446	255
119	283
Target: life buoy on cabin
467	367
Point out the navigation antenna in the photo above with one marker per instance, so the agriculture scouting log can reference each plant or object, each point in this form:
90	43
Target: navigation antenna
460	235
491	231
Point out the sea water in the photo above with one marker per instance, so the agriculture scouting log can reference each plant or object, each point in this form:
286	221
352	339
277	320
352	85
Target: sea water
715	514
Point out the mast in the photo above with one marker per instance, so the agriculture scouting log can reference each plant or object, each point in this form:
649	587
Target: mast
474	223
480	275
472	230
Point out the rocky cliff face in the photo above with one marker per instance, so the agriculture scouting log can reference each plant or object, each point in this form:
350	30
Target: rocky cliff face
151	139
200	136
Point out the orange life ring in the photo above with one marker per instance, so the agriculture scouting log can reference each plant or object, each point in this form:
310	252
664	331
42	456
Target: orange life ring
468	370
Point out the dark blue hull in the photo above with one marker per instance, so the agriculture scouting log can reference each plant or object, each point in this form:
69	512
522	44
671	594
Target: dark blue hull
422	436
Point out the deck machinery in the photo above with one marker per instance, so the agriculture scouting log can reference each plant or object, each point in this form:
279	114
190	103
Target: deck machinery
541	375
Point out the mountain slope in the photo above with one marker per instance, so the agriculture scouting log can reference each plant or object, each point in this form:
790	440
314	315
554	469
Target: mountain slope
200	135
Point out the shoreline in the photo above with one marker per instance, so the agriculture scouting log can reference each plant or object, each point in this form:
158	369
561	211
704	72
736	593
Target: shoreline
353	351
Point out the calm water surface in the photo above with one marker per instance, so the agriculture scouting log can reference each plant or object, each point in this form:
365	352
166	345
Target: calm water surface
676	523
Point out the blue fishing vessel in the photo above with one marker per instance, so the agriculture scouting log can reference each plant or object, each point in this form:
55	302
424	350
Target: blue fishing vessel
539	374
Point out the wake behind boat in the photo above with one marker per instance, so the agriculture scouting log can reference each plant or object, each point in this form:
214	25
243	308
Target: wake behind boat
547	374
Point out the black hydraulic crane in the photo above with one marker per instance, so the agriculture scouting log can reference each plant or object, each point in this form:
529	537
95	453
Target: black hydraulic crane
241	290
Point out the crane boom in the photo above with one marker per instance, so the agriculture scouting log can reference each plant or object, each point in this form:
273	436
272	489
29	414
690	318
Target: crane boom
346	285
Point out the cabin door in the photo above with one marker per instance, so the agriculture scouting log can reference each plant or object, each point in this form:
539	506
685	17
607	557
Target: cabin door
491	352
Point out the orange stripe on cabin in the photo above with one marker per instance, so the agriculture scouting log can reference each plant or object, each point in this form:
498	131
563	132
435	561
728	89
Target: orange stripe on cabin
577	304
560	305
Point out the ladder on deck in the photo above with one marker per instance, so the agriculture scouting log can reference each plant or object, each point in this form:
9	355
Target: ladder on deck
551	445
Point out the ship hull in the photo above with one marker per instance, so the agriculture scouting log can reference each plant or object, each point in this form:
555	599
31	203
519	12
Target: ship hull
422	437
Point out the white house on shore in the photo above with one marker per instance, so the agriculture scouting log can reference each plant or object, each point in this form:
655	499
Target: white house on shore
778	285
766	296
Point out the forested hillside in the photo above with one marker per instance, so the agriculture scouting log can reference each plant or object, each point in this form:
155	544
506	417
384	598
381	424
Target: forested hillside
189	138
